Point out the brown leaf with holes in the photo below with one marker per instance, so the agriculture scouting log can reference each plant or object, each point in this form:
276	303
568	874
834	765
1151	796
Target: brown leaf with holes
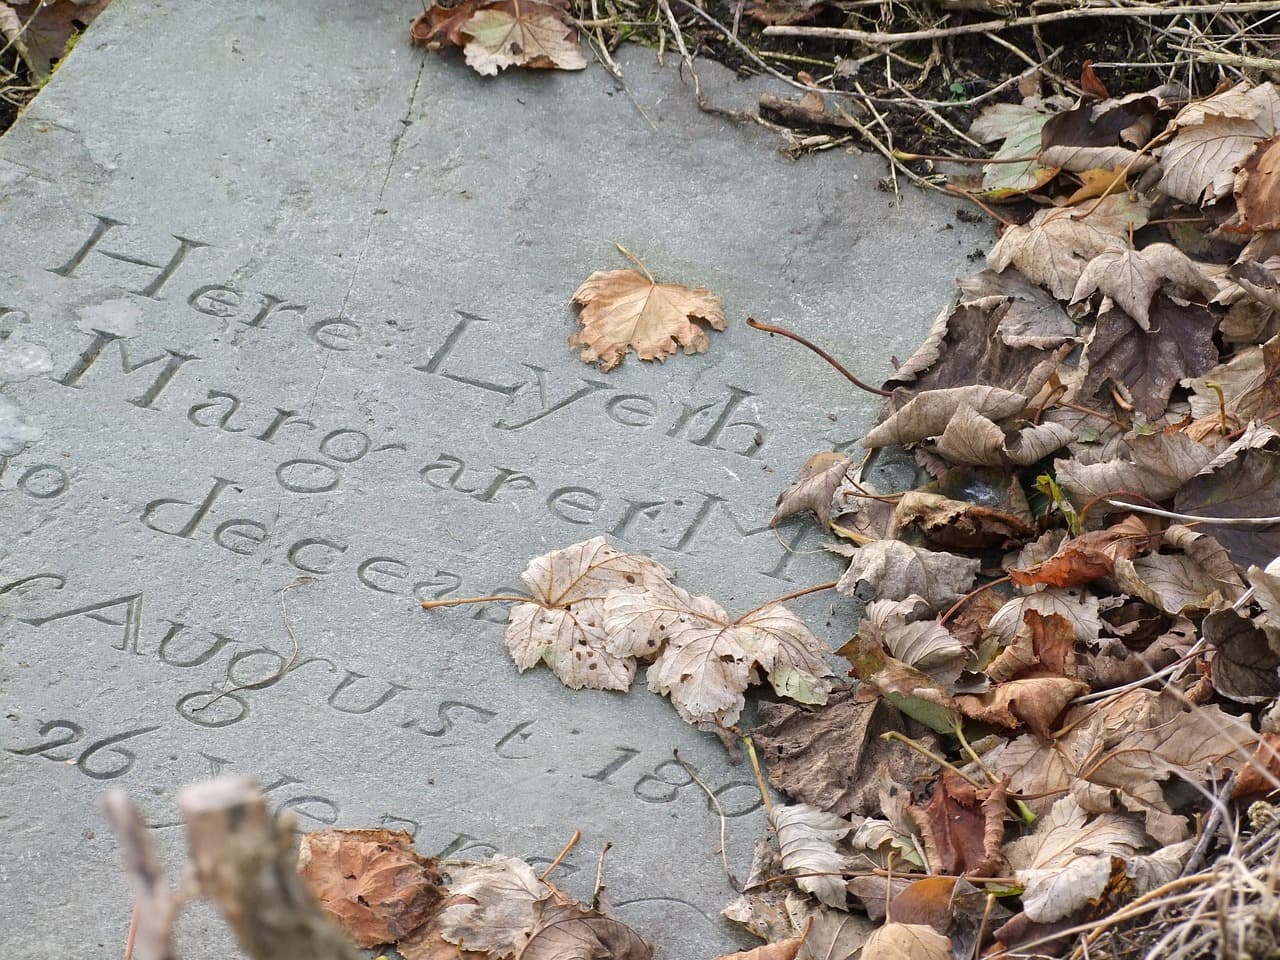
1089	556
962	827
372	883
624	309
522	33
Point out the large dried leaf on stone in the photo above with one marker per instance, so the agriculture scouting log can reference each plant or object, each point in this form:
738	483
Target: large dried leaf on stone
1250	385
494	906
1150	364
1244	666
962	827
894	570
704	670
1087	557
1244	481
814	489
1055	245
589	570
927	414
1212	137
1066	862
372	883
524	33
836	758
1079	610
907	941
1156	468
1132	278
1019	127
1034	702
570	932
624	309
807	839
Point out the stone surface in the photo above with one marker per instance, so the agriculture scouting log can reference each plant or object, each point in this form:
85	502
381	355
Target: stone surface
283	304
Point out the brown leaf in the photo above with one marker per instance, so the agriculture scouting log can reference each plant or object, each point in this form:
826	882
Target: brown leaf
906	941
1056	244
571	932
1149	365
926	901
1257	187
439	26
1087	557
52	26
1115	661
371	882
1132	278
624	309
1250	385
835	758
1080	610
493	906
927	414
1244	668
1033	701
1033	766
1200	576
1262	773
814	488
1043	643
525	33
962	827
912	691
894	570
781	950
1241	482
906	632
1156	468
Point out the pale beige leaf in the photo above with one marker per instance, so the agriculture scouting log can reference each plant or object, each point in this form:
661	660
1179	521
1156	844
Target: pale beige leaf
571	641
1157	467
1079	159
1034	767
1132	278
787	651
814	488
532	36
894	570
1151	870
807	838
624	309
1249	381
835	935
1066	862
1030	444
970	439
704	670
499	922
906	632
927	414
570	932
589	570
1212	136
1053	248
907	941
638	624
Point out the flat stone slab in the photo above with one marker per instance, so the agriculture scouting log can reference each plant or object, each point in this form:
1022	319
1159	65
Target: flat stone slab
283	311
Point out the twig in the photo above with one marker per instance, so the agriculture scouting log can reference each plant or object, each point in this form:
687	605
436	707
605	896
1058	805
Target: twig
803	341
988	26
1210	827
573	842
1193	518
724	821
816	588
459	601
755	768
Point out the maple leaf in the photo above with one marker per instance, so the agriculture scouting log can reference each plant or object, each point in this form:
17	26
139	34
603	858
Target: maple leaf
959	524
927	414
1212	136
1200	576
493	908
894	570
1156	467
624	309
704	658
1043	642
1249	383
1056	244
571	932
836	758
1019	127
1031	701
372	883
807	840
563	625
1150	364
1244	667
1081	611
1132	278
1030	317
439	26
1087	557
525	33
1066	862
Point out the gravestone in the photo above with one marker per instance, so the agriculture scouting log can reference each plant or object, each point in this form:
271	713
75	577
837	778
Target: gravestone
283	311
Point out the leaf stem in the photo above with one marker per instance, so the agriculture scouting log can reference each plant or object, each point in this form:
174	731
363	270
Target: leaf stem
755	768
942	620
804	342
459	601
936	758
636	260
816	588
573	842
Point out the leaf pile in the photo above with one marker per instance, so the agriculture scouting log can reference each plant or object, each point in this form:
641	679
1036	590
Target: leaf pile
496	34
377	888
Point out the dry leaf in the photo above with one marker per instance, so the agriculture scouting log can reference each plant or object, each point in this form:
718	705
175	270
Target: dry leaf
814	488
495	906
1257	187
624	309
927	414
1212	136
1250	385
961	524
1033	701
1045	643
525	33
906	633
927	901
372	883
1244	668
1066	862
894	570
1054	246
807	838
1132	278
1081	611
1019	127
962	828
1156	468
1087	557
571	932
781	950
906	941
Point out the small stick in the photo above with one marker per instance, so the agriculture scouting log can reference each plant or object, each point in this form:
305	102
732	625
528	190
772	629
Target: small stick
636	260
1193	518
715	801
573	842
942	620
804	342
458	601
816	588
595	891
755	768
133	932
